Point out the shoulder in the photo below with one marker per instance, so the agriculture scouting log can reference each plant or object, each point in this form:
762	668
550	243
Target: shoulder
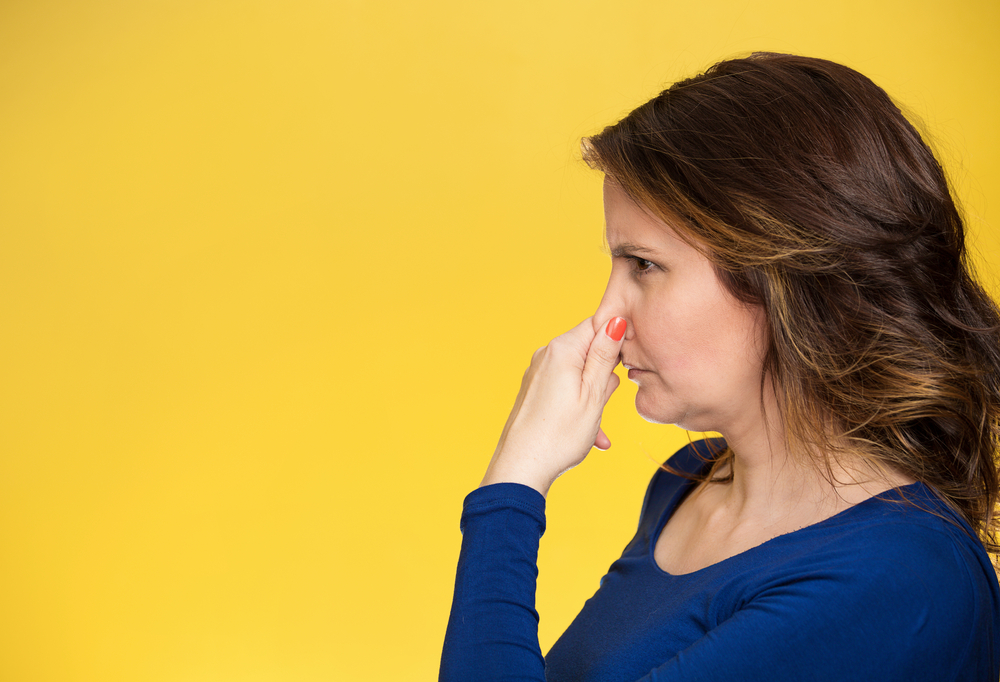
894	581
903	571
925	546
912	528
907	537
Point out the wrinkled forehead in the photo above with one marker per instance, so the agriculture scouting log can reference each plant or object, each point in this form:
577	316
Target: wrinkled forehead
629	223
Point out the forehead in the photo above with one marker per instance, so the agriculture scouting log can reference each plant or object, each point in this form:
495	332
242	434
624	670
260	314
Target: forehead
629	224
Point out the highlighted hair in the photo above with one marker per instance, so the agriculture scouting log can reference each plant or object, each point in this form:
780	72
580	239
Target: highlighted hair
817	200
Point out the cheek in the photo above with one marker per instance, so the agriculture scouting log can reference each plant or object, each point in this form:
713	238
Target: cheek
740	346
687	340
693	343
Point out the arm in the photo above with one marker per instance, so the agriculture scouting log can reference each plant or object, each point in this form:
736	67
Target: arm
493	628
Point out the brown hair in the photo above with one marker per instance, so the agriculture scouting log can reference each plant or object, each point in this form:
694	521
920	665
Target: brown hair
816	199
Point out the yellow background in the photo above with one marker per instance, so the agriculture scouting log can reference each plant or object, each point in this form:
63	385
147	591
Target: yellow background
270	271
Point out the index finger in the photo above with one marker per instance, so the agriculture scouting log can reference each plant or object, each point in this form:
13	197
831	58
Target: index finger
604	354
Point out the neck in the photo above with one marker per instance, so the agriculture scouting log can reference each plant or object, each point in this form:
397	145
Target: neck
772	481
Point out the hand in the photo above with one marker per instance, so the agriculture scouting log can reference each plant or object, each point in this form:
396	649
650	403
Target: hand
557	415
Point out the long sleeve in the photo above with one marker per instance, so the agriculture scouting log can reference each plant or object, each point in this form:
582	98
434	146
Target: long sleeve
493	628
891	589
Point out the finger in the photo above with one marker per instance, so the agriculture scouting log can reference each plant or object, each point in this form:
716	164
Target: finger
579	338
613	381
519	400
604	354
602	442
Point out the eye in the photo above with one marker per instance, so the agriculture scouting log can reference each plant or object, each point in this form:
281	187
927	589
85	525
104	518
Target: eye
641	266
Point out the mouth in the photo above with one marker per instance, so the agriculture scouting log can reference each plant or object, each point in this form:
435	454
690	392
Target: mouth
633	372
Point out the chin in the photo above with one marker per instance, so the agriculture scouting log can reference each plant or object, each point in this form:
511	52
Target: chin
652	411
665	412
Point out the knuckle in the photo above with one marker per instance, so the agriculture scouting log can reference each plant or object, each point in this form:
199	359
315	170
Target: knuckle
606	354
595	397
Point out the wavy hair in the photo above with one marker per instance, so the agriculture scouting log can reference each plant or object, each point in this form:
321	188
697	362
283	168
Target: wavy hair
817	200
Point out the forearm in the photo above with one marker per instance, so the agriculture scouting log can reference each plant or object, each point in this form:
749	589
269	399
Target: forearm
493	628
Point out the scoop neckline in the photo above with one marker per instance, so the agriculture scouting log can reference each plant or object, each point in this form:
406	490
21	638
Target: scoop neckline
688	486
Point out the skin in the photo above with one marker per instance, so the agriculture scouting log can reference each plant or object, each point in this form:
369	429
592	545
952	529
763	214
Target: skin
696	354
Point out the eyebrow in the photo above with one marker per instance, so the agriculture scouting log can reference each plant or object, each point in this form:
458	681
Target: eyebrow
629	249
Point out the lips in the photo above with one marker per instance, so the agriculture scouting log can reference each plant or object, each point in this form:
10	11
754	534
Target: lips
633	371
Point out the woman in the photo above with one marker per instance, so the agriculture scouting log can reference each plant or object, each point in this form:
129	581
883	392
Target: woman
788	269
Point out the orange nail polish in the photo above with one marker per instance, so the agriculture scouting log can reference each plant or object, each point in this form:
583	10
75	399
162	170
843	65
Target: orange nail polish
616	328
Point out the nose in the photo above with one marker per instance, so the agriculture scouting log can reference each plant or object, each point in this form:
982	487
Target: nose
613	304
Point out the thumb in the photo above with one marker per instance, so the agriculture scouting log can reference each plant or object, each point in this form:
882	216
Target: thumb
603	356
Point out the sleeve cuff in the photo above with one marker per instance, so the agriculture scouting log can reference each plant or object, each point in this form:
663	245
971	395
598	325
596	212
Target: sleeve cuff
505	496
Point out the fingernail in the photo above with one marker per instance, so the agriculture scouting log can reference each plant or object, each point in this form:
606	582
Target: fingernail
616	328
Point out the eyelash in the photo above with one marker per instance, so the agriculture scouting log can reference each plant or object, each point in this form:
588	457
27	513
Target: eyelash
640	266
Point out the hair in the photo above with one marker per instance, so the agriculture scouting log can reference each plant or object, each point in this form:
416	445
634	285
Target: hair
818	201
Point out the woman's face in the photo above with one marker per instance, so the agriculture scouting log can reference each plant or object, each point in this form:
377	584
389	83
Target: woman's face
694	350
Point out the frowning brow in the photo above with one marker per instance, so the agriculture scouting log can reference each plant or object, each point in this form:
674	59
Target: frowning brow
629	249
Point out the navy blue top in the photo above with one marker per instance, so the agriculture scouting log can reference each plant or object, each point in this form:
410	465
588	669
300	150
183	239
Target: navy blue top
894	588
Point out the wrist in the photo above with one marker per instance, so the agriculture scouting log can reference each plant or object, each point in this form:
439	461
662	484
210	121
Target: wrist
500	472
